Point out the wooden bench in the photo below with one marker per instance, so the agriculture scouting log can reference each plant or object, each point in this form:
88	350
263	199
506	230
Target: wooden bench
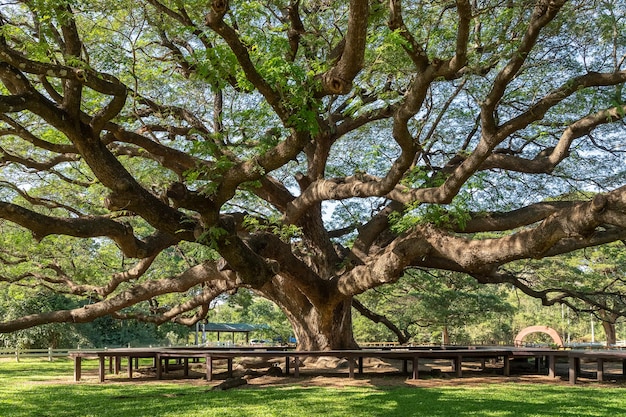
600	357
161	357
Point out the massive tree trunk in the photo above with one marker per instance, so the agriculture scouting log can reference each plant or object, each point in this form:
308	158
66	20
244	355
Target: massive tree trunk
316	329
315	326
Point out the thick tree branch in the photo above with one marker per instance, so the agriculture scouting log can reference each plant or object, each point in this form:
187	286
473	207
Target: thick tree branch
85	227
454	65
137	293
428	246
415	51
14	103
501	221
296	28
214	20
338	80
24	133
99	82
387	266
539	109
544	12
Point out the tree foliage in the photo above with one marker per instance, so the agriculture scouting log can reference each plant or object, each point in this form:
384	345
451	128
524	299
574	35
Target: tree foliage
101	332
306	150
587	281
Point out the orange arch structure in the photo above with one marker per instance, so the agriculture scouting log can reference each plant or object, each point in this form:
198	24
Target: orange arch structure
538	329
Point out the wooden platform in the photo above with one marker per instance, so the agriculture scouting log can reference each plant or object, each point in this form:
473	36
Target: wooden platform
162	356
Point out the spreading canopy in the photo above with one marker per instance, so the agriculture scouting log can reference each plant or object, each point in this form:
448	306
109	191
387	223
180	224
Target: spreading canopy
305	149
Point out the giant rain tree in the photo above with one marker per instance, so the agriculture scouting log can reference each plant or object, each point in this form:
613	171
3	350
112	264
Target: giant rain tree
307	150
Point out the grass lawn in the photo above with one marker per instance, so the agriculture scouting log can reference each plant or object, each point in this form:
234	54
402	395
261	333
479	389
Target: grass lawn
37	388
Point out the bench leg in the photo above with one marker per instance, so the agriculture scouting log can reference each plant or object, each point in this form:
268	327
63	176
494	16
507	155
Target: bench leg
296	367
552	366
159	367
416	367
600	373
209	368
130	367
574	363
507	365
101	368
77	368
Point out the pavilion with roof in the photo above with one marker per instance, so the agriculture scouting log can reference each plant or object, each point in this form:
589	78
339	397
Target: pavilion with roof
232	328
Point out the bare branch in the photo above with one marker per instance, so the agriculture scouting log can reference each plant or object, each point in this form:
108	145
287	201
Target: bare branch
377	318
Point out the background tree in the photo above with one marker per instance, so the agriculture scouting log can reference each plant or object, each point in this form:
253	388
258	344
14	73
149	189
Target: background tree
306	150
591	282
102	332
439	303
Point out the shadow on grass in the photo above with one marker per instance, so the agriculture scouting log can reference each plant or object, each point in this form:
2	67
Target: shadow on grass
124	400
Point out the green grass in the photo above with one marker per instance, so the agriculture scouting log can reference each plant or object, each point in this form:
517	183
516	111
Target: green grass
41	389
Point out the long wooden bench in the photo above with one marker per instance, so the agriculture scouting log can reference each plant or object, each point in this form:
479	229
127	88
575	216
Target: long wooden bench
162	356
116	355
354	358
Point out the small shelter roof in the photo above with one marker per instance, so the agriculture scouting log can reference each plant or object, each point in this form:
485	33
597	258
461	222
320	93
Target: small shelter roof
233	327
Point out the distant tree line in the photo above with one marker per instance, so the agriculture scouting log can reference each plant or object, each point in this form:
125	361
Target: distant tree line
102	332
